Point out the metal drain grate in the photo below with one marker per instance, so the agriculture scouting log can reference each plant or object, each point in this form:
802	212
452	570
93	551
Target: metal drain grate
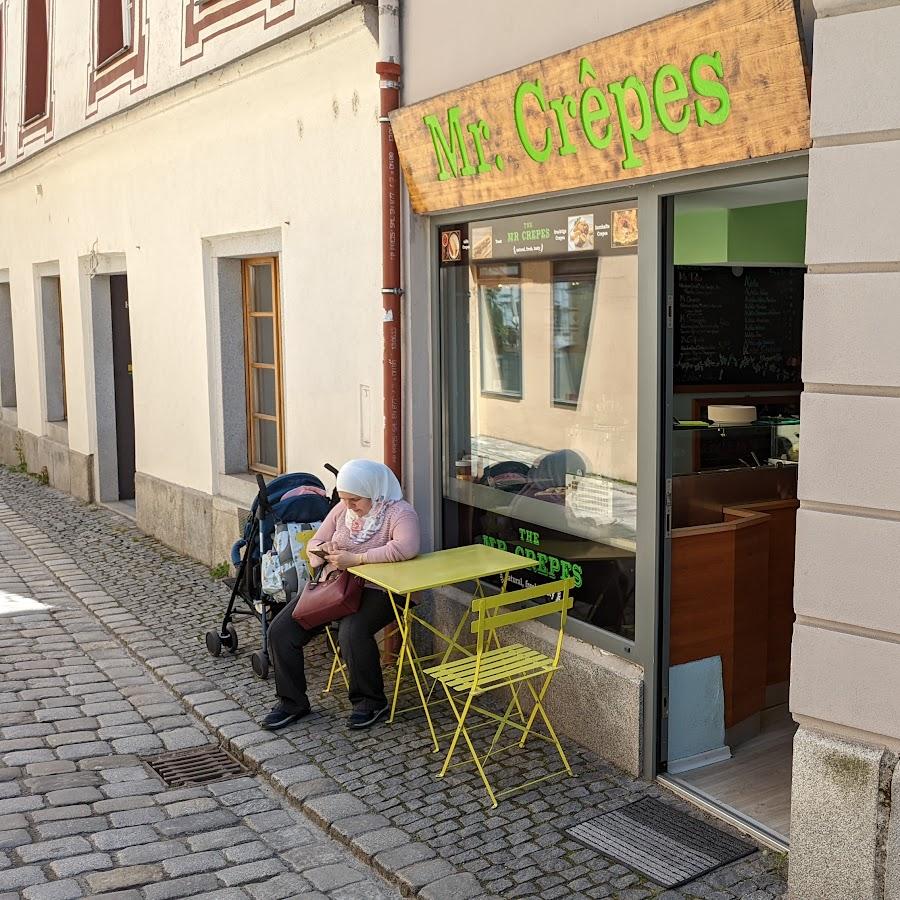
660	842
196	765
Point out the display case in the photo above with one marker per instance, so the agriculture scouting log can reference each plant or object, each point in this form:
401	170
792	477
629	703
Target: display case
701	446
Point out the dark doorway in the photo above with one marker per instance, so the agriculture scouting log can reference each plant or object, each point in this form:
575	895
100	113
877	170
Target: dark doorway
122	381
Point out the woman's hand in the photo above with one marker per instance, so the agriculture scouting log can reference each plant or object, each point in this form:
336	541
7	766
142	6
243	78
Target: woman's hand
319	556
345	559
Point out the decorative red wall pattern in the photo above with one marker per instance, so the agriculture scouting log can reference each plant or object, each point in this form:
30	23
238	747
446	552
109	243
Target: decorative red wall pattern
42	128
206	21
125	70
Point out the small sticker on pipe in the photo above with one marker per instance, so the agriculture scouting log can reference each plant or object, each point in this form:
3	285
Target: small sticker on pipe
388	315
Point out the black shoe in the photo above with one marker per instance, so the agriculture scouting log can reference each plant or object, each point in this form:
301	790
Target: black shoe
363	718
281	716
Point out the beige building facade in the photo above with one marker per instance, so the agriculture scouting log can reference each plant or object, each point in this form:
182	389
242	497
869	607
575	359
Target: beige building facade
206	141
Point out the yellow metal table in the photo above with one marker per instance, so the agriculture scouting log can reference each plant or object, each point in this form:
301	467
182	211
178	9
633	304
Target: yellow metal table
427	572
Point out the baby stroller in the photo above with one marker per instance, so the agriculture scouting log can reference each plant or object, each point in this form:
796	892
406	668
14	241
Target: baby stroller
295	498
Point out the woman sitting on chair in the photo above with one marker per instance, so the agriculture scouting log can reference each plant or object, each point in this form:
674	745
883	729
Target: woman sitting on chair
371	524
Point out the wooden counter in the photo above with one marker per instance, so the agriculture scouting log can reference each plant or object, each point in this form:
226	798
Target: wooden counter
719	605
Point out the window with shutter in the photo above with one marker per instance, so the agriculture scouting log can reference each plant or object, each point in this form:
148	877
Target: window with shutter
36	60
113	29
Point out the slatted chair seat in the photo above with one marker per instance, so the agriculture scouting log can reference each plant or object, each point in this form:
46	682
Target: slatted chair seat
500	666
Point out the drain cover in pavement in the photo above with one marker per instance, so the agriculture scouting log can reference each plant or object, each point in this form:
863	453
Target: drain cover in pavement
197	765
660	842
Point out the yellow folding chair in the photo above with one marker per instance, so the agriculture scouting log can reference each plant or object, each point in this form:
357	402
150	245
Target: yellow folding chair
337	664
495	666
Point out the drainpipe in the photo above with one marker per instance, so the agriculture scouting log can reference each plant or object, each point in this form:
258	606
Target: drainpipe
388	69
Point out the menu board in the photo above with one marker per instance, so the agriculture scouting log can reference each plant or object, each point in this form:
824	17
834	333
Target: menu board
740	326
606	230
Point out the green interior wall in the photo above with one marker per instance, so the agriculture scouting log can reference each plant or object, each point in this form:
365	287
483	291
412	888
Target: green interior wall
771	234
701	237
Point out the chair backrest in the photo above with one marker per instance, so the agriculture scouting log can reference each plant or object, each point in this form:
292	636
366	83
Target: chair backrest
521	609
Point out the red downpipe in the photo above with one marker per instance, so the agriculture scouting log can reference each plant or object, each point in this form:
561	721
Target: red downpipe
391	291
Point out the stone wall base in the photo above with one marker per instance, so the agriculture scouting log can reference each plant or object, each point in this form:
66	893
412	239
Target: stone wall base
67	469
595	699
193	523
845	842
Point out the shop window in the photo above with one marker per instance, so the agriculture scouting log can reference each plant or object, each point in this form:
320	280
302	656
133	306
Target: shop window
54	349
545	312
573	306
7	350
262	354
500	327
37	60
113	29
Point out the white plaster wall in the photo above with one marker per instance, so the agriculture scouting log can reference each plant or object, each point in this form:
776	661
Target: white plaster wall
846	679
836	552
851	326
447	46
286	139
838	106
854	203
846	652
168	64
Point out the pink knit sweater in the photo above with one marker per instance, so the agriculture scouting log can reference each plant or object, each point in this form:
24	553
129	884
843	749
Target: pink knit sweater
397	538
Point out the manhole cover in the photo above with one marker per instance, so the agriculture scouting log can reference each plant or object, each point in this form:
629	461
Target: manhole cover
196	765
660	842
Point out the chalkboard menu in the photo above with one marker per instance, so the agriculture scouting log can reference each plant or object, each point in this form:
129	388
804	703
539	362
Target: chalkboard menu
740	329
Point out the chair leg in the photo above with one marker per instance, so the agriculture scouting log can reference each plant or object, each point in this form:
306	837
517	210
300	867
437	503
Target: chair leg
539	708
460	720
461	730
503	722
400	662
337	664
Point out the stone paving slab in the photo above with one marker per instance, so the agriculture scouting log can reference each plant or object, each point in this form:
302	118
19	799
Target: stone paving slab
101	822
432	838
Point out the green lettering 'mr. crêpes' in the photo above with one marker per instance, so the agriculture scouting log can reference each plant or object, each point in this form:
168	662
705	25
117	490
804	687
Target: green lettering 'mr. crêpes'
562	125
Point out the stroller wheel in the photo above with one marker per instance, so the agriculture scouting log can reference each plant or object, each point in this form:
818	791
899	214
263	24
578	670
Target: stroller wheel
260	663
213	643
232	640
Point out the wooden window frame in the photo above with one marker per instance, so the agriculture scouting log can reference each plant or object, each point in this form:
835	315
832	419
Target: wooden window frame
27	63
127	35
250	364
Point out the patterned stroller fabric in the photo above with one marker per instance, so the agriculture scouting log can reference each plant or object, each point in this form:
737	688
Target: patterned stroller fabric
296	497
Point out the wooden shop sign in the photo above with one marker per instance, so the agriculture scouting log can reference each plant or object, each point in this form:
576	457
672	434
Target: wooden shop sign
717	83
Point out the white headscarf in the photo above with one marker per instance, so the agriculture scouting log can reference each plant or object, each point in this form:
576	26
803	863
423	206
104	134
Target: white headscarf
374	481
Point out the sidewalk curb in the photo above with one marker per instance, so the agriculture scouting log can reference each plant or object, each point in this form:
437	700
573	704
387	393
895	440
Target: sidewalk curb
391	852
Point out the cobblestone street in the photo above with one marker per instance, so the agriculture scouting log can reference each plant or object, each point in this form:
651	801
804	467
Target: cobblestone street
103	665
82	814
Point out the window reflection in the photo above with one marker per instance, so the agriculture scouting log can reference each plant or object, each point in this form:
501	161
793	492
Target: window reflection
500	322
573	306
551	476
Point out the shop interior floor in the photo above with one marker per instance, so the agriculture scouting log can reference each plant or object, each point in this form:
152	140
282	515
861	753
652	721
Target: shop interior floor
756	781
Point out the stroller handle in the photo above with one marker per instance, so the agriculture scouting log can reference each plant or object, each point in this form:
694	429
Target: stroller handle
263	507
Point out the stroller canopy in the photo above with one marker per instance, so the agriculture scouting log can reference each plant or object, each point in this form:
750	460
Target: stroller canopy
294	497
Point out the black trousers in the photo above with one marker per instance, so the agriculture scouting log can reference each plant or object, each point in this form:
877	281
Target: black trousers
356	636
